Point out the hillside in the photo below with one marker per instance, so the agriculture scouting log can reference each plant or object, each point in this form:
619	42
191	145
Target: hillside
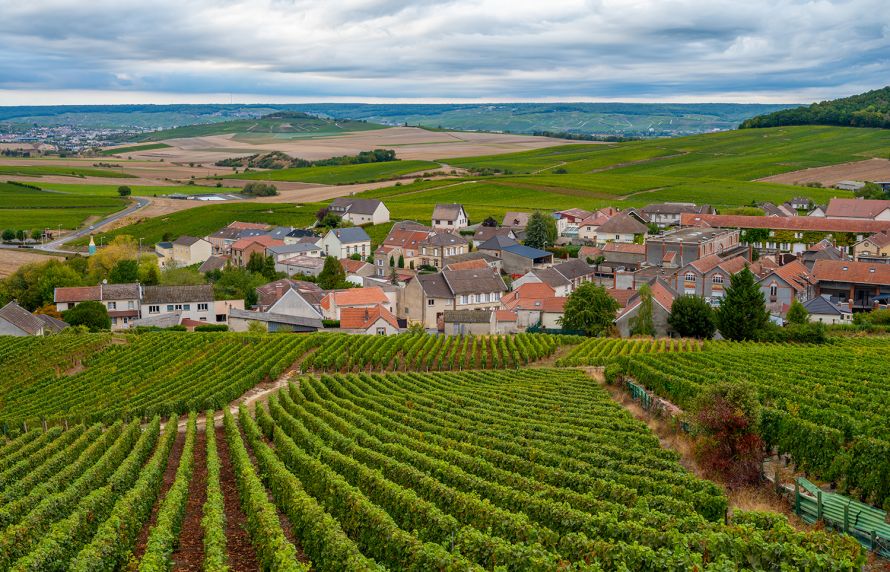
869	109
282	123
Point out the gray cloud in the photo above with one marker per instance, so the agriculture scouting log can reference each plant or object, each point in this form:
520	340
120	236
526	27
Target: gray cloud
786	50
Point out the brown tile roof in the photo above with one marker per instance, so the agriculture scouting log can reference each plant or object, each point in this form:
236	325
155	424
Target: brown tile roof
625	248
186	240
881	239
621	295
795	274
800	223
552	304
483	233
707	263
263	240
356	297
467	264
622	223
268	294
364	318
505	316
528	291
215	262
575	213
586	252
21	318
405	238
355	206
474	281
77	294
351	266
856	208
516	219
447	211
574	268
853	272
733	265
51	323
596	219
177	294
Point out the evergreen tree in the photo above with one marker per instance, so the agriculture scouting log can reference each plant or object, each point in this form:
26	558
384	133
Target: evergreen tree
332	274
124	271
797	314
642	324
589	308
692	317
742	312
401	261
540	231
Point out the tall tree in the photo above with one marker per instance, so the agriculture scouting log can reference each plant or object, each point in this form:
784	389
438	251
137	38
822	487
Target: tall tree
797	314
742	312
540	232
642	324
692	317
124	271
590	309
332	274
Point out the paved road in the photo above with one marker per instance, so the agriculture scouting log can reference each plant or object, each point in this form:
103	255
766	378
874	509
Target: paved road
55	245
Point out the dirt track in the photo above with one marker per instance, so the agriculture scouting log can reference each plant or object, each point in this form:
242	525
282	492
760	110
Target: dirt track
867	170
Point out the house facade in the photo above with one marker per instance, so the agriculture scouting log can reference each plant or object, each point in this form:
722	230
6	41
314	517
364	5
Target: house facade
708	277
360	211
782	285
854	283
121	300
344	242
191	302
686	245
875	248
427	296
663	297
450	217
668	214
189	250
243	249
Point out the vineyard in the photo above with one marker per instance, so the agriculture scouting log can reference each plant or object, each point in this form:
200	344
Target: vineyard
828	407
600	351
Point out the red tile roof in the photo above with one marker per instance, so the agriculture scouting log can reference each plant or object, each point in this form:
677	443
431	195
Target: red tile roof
467	264
854	272
77	294
621	295
734	265
856	208
364	318
799	223
706	263
881	239
625	247
589	252
356	297
505	316
351	266
263	240
795	274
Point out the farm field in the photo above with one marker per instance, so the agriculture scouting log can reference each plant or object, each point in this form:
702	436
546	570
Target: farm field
342	174
26	208
60	170
134	148
287	124
829	409
602	351
138	190
11	260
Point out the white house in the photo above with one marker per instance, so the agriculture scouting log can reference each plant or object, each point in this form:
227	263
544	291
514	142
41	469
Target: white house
188	250
360	211
192	302
823	309
344	242
450	217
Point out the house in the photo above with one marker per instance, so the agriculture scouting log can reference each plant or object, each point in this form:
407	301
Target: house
827	311
427	296
344	242
269	295
519	259
164	250
375	320
663	297
801	203
491	261
771	209
333	302
16	321
221	241
782	285
616	257
301	265
497	243
450	217
357	267
668	214
440	245
242	249
588	227
192	302
568	221
549	276
300	235
818	211
859	209
360	211
621	228
483	233
822	250
215	262
469	322
855	283
875	248
690	244
708	277
515	220
188	250
240	320
121	300
535	304
415	246
285	251
849	185
788	234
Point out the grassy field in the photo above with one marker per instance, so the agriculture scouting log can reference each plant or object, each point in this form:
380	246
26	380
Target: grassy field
60	170
314	126
25	208
133	148
201	221
138	190
342	174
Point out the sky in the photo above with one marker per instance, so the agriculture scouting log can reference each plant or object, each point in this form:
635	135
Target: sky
215	51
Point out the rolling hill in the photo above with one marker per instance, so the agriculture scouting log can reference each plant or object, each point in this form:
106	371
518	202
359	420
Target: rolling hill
869	109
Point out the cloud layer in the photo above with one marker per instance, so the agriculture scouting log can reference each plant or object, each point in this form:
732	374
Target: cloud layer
280	50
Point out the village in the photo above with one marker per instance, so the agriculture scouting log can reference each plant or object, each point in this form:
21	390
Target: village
451	276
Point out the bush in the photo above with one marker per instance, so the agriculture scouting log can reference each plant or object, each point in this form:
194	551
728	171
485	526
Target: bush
212	328
330	323
260	190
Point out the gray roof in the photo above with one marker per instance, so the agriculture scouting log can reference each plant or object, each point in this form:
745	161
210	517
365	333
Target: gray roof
300	233
186	240
447	212
313	323
574	268
165	245
434	286
527	251
21	318
483	233
355	206
293	248
177	294
622	223
675	208
824	305
445	239
279	232
551	277
214	263
120	291
351	234
497	242
474	281
52	324
467	316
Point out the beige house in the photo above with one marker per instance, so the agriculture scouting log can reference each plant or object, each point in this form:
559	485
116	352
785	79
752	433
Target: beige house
450	217
188	250
875	248
426	298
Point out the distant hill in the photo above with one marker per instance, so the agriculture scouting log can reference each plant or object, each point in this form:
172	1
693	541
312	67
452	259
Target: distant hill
869	109
281	122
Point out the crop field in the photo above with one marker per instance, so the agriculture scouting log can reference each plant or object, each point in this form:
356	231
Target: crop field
134	148
342	174
601	351
305	126
138	190
25	208
60	170
829	409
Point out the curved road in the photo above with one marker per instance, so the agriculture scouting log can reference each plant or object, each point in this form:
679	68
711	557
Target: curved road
54	246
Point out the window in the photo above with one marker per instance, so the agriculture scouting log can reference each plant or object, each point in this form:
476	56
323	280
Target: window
220	317
130	305
112	305
773	290
690	277
483	297
463	299
717	279
113	321
381	331
169	307
178	306
495	296
379	262
187	307
430	302
154	309
472	298
202	306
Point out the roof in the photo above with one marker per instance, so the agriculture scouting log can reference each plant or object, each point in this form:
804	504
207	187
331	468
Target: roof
528	291
622	223
527	251
695	235
574	268
474	280
447	211
621	295
268	294
596	219
411	225
662	294
854	272
350	234
404	238
515	219
795	274
574	213
550	276
186	240
277	318
300	233
880	240
475	255
505	316
444	239
823	305
303	261
52	324
467	264
164	245
263	240
625	248
497	242
734	264
591	251
801	223
364	318
706	263
99	292
214	263
248	226
351	266
856	208
467	316
674	208
293	248
434	286
355	206
21	318
355	297
177	294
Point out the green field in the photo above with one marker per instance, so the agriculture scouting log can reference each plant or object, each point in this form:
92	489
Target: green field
132	148
60	170
305	126
23	208
342	174
138	190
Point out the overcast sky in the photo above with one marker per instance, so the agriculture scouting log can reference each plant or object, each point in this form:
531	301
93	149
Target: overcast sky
123	51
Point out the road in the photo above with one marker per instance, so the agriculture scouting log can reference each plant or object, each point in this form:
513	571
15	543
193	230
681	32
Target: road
54	246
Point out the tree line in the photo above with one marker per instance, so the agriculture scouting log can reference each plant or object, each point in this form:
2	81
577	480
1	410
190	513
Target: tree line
870	109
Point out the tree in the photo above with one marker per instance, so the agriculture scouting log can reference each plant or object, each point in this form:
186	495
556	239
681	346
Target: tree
262	265
642	324
91	314
125	271
401	262
331	220
185	276
727	416
49	310
20	235
149	273
332	274
8	234
742	312
490	222
259	190
235	283
120	248
870	191
692	317
124	191
589	308
36	234
255	327
797	314
540	231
